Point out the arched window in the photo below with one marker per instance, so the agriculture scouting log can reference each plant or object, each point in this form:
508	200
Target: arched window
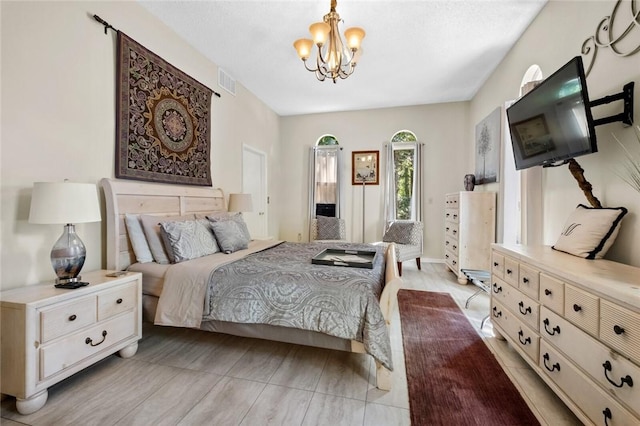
324	187
404	186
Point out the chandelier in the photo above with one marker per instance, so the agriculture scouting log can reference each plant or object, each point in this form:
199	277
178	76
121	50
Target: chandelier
333	60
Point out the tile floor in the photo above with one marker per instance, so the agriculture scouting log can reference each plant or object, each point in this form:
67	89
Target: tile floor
189	377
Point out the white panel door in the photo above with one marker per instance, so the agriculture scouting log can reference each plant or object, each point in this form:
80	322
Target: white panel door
254	182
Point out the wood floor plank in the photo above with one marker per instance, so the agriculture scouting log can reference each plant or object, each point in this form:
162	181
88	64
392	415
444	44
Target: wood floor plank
278	405
302	368
334	410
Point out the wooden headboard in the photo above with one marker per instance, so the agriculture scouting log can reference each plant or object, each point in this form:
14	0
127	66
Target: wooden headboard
133	197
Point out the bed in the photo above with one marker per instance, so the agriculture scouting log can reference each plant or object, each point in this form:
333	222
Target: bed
189	298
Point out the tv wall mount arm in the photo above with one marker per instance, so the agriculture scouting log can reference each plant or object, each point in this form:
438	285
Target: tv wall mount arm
626	117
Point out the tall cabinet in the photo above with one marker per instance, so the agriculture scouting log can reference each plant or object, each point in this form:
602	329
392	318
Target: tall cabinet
470	228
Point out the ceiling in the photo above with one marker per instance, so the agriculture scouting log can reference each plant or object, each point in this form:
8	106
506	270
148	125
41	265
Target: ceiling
414	52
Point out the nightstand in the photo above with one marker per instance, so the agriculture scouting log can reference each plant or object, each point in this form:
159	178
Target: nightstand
48	334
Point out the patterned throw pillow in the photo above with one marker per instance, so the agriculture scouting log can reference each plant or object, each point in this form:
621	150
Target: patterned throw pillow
229	235
151	227
329	228
402	233
236	217
590	232
138	240
189	240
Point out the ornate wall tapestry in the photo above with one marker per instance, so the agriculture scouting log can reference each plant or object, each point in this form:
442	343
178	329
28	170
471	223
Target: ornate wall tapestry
163	120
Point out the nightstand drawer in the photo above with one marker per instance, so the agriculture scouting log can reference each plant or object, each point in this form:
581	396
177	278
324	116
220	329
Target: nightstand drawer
67	318
118	300
83	344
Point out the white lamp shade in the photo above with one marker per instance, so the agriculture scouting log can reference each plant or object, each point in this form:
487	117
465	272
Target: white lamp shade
64	202
240	203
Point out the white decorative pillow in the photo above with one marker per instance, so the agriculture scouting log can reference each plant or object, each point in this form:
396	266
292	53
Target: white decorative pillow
189	239
590	232
138	240
330	228
151	227
229	235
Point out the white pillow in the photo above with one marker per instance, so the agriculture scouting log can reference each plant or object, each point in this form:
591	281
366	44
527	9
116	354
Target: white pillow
590	232
137	238
151	227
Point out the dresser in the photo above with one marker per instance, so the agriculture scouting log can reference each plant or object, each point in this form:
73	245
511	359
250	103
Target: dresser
48	334
576	322
470	228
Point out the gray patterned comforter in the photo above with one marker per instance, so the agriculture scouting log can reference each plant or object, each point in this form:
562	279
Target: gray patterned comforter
280	286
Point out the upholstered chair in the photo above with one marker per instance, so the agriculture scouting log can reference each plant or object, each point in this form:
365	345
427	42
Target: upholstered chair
407	236
328	229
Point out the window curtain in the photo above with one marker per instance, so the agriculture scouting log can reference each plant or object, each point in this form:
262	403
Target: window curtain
391	190
325	175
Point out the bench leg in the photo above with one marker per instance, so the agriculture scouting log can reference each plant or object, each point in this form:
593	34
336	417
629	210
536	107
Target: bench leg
418	263
400	268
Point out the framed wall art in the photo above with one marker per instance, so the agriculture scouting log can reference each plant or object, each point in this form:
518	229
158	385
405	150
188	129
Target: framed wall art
488	148
365	167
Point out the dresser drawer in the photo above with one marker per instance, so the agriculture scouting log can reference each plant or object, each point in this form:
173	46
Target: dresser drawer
451	244
451	260
620	328
511	268
451	229
452	200
551	293
117	300
497	265
525	308
83	344
592	400
613	371
67	318
582	309
529	282
452	215
499	289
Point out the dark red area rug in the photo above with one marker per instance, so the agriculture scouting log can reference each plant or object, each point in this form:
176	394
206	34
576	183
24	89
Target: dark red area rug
453	378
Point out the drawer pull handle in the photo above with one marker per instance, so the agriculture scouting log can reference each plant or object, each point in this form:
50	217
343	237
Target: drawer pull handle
509	271
607	416
618	330
554	330
547	292
555	366
496	313
119	301
446	243
577	307
525	280
88	340
628	380
525	311
495	264
497	288
525	341
73	317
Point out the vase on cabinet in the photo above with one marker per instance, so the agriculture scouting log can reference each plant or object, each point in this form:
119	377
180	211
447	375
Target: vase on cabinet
469	182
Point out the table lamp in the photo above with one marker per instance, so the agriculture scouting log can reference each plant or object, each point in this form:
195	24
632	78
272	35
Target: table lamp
240	203
65	203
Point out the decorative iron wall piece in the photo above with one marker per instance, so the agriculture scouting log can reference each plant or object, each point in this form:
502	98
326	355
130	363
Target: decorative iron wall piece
608	35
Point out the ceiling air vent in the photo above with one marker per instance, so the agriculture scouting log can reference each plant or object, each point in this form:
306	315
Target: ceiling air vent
227	82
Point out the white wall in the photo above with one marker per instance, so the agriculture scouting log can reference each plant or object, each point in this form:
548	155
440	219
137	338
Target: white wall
552	40
58	118
440	127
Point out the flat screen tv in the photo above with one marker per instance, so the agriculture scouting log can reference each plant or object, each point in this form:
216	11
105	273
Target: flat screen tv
553	122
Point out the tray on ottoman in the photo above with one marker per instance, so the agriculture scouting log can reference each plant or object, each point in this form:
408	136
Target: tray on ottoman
342	257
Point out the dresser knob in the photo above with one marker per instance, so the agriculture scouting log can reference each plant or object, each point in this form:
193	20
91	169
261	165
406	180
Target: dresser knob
525	280
509	271
495	263
119	301
577	307
73	318
547	292
618	330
